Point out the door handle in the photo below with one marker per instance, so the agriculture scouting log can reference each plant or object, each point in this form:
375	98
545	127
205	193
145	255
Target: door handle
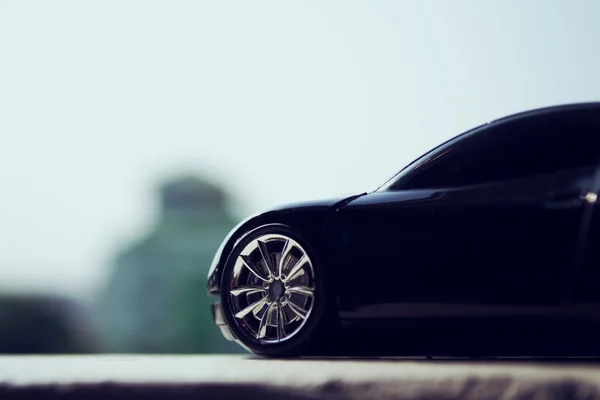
564	199
561	195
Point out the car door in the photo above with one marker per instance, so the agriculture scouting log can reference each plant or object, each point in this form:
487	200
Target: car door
582	299
485	226
503	248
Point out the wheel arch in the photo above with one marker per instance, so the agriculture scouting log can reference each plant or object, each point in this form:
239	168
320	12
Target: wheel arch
311	224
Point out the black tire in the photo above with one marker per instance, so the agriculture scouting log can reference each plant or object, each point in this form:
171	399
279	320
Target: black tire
316	335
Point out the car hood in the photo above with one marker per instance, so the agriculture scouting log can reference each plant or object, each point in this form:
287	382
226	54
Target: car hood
323	203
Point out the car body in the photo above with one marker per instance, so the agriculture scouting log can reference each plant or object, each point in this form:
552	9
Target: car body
486	245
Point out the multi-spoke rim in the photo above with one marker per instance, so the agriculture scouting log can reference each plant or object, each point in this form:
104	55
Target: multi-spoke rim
272	288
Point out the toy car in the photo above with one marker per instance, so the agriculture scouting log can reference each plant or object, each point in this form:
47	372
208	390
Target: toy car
487	245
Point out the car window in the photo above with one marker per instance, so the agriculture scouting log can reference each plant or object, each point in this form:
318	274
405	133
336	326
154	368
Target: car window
512	149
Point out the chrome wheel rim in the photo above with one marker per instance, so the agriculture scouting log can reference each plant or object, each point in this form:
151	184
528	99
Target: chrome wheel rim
271	290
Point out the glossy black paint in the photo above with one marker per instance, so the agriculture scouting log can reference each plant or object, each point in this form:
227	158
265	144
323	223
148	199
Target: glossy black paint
310	218
486	245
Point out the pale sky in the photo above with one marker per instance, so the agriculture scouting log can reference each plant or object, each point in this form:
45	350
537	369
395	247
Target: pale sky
283	101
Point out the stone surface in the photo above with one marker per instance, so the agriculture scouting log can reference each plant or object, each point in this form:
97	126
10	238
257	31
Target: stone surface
248	377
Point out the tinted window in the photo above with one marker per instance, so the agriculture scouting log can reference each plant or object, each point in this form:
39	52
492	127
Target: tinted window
512	149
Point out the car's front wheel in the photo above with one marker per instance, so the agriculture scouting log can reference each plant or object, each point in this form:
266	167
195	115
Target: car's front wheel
273	293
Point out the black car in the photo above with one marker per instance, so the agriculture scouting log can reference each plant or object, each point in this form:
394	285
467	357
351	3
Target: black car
485	246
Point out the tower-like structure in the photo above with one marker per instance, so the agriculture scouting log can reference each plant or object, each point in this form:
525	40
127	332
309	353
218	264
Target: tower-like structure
155	301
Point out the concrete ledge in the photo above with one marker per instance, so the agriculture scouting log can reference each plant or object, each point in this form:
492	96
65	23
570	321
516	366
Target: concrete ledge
217	377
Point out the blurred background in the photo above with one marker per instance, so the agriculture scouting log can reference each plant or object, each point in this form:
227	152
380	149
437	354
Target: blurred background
135	134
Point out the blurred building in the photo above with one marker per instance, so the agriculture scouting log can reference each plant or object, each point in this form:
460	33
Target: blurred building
156	299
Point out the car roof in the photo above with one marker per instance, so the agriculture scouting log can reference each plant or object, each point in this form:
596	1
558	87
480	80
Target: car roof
550	110
556	109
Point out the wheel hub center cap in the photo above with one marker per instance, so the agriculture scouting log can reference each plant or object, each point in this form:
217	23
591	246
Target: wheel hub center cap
276	290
